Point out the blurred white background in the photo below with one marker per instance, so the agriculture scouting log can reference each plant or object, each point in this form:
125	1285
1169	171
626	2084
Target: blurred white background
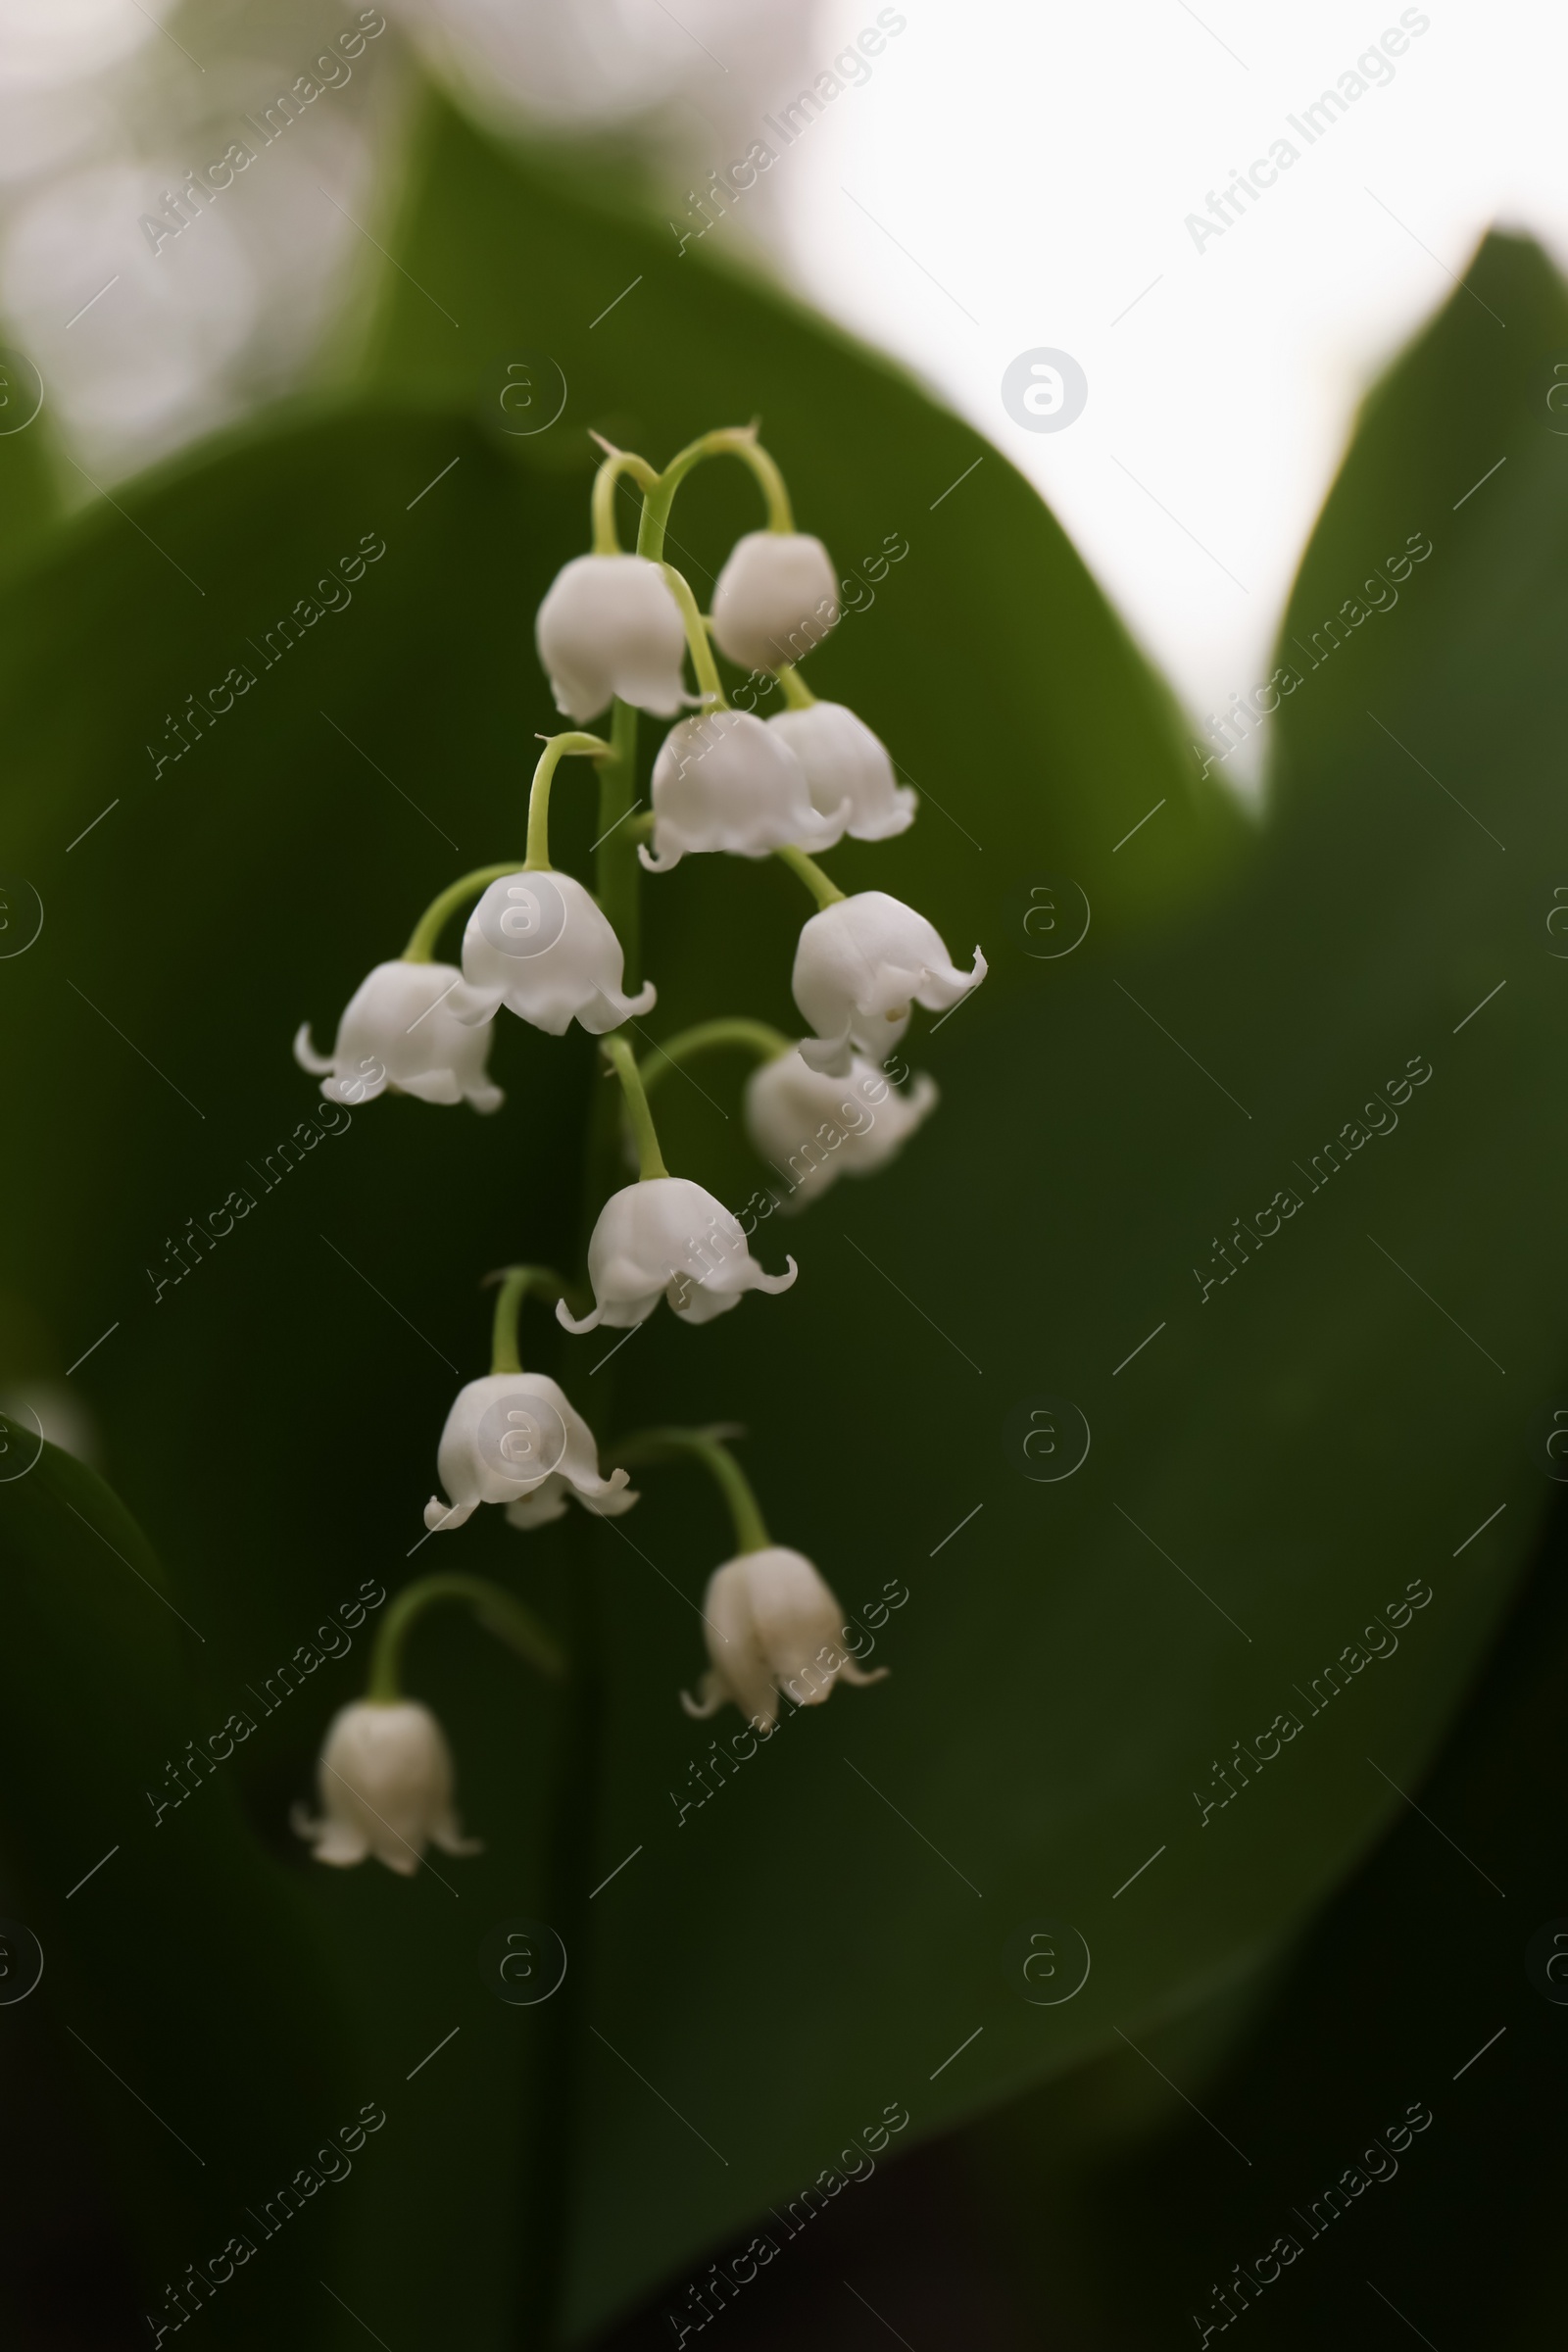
1001	177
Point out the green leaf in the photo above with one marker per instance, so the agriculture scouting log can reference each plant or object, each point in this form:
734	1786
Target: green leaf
272	1410
194	1992
1293	1448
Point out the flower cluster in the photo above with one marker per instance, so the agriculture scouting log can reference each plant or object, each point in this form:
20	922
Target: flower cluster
615	634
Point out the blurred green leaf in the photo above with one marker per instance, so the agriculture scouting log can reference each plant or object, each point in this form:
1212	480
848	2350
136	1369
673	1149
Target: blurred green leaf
30	503
189	1981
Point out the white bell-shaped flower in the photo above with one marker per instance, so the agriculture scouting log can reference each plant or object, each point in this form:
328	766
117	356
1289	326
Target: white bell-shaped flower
772	1625
726	781
776	597
608	625
667	1237
813	1127
861	963
540	945
403	1029
384	1782
507	1437
844	761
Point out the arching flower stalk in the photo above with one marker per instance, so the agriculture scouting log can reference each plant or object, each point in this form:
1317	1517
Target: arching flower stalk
385	1778
515	1436
663	1236
773	1627
407	1027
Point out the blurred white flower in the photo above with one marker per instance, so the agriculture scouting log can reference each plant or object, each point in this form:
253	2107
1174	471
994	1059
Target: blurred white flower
689	80
401	1030
813	1126
726	781
130	341
776	597
384	1782
844	761
861	963
92	89
49	44
174	229
665	1237
508	1437
772	1625
540	945
610	625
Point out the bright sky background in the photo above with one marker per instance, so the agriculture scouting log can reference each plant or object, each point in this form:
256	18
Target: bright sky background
1038	161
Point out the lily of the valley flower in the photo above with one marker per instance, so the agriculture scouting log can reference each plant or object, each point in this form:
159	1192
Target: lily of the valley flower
843	760
726	781
776	597
664	1236
610	625
861	963
508	1439
772	1625
813	1126
384	1782
407	1027
540	945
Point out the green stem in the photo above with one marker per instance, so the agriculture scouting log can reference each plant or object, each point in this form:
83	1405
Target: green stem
826	893
702	653
427	930
494	1610
797	694
649	1160
757	1037
555	748
705	1446
517	1283
616	871
729	441
618	462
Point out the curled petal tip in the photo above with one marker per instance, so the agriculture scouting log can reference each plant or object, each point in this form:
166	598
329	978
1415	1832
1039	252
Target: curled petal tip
655	864
306	1055
568	1321
829	830
853	1672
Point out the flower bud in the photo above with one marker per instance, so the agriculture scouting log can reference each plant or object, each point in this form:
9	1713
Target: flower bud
667	1237
540	945
384	1782
726	781
813	1127
844	761
776	597
772	1625
861	965
610	625
507	1437
407	1027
